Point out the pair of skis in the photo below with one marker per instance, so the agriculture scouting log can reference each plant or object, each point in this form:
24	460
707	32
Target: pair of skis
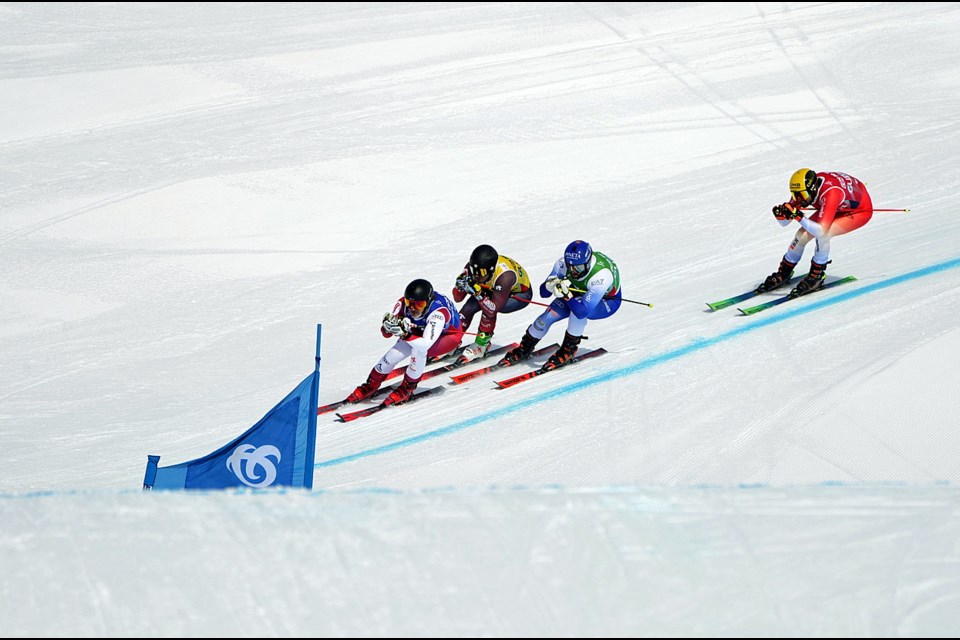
465	377
460	379
426	376
456	364
509	382
749	311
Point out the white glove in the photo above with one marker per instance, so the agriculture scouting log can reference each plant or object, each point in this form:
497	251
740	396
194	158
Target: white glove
399	327
560	288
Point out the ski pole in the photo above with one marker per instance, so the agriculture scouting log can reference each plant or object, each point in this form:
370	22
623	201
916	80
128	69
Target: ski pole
853	210
542	304
486	286
646	304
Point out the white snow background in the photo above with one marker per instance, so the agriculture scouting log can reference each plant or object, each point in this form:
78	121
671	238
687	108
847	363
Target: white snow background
187	190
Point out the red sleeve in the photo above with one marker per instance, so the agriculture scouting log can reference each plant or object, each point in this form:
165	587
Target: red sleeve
396	311
458	295
828	208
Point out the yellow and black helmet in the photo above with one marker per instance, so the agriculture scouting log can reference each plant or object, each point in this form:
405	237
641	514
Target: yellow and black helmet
803	185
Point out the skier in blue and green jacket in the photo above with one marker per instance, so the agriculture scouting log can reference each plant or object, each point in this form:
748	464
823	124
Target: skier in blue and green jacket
586	286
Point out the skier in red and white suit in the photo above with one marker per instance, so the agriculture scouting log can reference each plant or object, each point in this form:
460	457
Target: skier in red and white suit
425	323
841	204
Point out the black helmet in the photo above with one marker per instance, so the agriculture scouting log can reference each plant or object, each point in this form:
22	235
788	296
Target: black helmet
483	262
417	296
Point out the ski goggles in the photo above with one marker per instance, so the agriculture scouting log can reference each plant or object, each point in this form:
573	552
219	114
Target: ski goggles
577	271
416	307
803	198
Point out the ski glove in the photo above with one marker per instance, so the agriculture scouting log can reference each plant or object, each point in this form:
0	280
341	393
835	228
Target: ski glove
559	288
399	327
464	284
786	211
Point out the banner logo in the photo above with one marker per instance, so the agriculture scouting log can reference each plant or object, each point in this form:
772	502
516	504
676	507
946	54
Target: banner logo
246	462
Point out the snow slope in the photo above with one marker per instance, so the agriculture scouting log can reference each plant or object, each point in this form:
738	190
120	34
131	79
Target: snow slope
190	189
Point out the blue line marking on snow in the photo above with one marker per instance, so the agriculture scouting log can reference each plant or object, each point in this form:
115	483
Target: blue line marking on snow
695	345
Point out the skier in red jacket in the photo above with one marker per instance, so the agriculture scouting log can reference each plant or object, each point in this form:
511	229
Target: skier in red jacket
425	323
840	205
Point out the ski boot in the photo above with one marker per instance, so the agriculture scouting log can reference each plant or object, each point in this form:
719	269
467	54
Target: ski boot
783	273
562	355
476	350
521	351
403	392
367	389
812	281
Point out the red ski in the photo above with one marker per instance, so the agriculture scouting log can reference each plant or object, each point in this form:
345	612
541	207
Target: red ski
426	376
362	413
463	377
509	382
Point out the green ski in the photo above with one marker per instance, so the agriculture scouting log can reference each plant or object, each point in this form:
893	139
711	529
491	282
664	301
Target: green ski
749	311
